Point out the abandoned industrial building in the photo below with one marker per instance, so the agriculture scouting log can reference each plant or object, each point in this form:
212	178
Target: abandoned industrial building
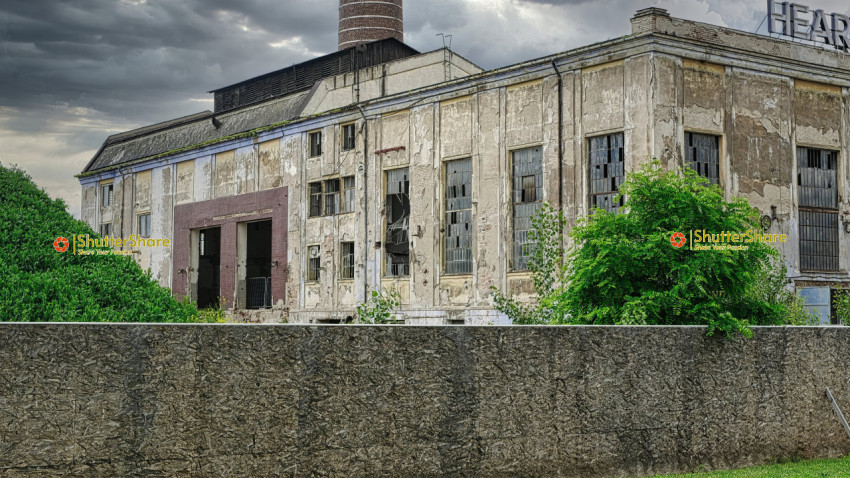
378	166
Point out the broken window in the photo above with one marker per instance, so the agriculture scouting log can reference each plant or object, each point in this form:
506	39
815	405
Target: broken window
347	260
527	196
397	245
316	199
607	171
702	154
348	194
145	225
348	137
458	229
315	143
817	178
106	195
331	197
106	229
313	263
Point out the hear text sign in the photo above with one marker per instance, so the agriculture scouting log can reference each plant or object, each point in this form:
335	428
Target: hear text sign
799	21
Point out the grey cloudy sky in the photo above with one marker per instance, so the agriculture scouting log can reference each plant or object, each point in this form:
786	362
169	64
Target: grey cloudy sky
73	72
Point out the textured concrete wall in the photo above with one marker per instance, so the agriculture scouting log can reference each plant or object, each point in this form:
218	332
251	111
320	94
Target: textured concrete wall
178	400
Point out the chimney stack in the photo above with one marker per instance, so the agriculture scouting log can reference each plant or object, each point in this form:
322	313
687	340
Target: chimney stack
369	20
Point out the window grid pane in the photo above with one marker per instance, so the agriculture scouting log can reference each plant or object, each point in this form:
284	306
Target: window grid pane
347	260
397	241
315	199
145	225
313	263
817	177
348	194
348	137
315	143
702	154
527	196
607	171
331	197
458	235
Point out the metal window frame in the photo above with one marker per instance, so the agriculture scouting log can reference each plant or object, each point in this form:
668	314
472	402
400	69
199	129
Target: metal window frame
521	203
332	198
141	230
318	196
314	274
315	147
346	260
348	143
693	154
348	186
818	209
464	211
606	178
107	192
403	268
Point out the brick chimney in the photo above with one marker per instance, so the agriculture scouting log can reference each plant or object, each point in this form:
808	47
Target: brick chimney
369	20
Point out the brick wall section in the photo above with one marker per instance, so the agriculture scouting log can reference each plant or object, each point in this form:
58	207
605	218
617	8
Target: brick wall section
285	400
227	213
364	20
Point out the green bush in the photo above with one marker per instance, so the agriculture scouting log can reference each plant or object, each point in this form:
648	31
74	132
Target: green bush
41	284
623	269
379	308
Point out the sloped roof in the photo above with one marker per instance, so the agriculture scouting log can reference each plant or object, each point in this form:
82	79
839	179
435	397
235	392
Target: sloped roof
191	131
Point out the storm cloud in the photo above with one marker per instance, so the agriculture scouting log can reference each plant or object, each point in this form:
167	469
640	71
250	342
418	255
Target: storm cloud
72	73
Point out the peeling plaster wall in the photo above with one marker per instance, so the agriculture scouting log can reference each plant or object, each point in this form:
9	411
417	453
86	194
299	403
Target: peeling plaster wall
162	222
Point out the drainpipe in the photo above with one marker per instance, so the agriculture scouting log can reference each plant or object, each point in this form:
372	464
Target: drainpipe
560	137
365	201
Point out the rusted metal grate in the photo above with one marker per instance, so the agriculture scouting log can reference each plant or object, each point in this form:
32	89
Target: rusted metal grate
817	177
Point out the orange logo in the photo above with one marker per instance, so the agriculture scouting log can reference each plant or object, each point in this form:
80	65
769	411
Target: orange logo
677	240
60	244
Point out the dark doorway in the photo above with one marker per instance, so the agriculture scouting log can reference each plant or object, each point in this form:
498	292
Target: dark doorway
209	270
258	265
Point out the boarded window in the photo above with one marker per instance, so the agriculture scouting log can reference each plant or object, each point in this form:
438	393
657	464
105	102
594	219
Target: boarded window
397	244
702	154
348	194
527	196
315	199
348	137
332	197
817	177
347	260
607	171
145	225
458	235
314	263
315	143
106	195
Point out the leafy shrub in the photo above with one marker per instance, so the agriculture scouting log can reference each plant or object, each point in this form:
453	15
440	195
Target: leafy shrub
41	284
623	269
545	265
842	307
379	308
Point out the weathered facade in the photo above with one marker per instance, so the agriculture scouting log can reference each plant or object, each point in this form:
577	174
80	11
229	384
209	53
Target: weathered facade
420	173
